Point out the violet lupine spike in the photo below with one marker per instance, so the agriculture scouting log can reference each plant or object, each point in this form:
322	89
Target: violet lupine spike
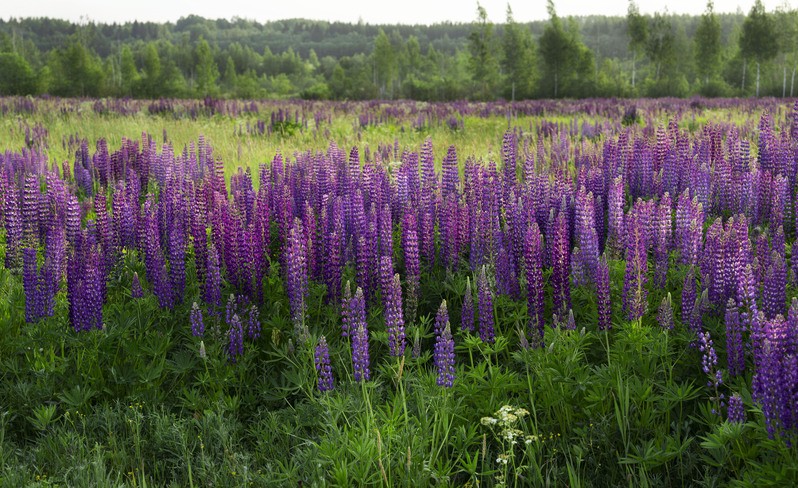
735	352
665	313
213	281
332	266
774	295
235	339
30	210
394	322
362	266
51	272
662	240
736	411
688	295
135	287
533	264
586	238
635	294
603	303
441	318
774	381
615	227
297	282
154	262
561	266
485	305
30	284
346	316
412	265
467	311
197	322
253	323
451	173
323	366
746	298
444	356
177	264
709	359
360	337
14	231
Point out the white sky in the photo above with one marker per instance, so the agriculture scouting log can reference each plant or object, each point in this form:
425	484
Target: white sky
370	11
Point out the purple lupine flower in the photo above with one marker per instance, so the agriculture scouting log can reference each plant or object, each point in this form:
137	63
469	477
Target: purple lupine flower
85	285
533	264
50	276
213	281
230	309
467	311
665	313
451	173
135	287
688	295
154	262
561	266
615	201
735	353
197	323
444	354
603	303
412	265
736	412
709	364
13	224
332	265
30	283
394	322
586	238
386	280
360	337
72	219
774	296
235	336
775	382
570	322
346	317
177	264
485	304
635	293
441	318
323	366
253	323
661	221
297	282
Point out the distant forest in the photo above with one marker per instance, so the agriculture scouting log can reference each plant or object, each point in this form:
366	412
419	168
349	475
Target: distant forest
747	54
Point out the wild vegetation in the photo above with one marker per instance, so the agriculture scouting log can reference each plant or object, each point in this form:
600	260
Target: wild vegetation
398	293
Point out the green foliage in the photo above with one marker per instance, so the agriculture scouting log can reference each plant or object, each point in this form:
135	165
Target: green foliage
707	44
76	72
518	60
568	63
16	75
484	63
758	39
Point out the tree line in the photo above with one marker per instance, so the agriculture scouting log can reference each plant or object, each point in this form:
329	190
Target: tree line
637	55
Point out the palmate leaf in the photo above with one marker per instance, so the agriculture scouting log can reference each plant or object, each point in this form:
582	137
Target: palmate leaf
77	397
43	416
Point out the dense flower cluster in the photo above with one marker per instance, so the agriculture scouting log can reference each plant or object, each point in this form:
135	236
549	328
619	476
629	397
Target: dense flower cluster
721	209
323	367
360	336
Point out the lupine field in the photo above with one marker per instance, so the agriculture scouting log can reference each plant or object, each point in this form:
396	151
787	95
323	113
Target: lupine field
228	293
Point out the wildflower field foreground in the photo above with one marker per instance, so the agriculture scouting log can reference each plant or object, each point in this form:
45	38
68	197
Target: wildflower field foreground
250	293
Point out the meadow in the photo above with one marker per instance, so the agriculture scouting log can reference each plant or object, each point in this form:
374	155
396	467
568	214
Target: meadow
252	293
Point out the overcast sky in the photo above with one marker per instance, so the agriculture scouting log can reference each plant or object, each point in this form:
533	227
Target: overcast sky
369	11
